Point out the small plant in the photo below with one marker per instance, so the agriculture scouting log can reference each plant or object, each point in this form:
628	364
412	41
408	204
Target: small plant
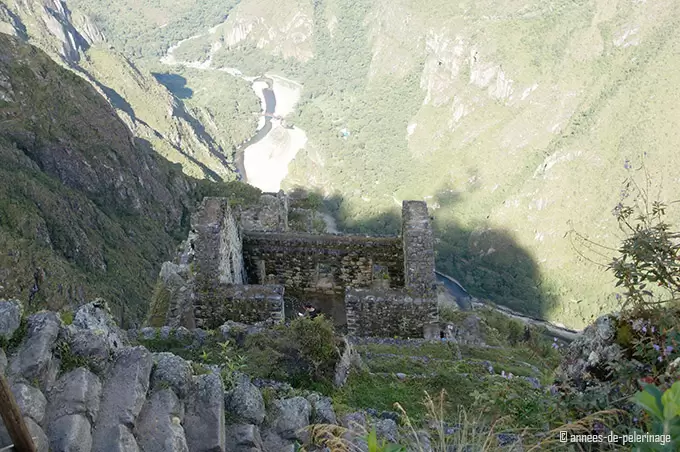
66	317
69	361
664	412
232	364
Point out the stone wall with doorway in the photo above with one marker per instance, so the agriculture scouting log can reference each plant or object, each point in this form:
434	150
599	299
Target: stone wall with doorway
323	263
388	313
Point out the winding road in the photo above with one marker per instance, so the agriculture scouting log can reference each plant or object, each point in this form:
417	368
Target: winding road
467	302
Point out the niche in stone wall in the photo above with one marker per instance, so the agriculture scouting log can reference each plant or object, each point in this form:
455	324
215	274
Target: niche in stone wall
324	277
381	277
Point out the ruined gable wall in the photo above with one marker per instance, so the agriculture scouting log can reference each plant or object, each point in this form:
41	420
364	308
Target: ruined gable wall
324	263
218	247
418	242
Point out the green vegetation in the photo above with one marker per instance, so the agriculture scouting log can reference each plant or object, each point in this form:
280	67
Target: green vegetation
148	29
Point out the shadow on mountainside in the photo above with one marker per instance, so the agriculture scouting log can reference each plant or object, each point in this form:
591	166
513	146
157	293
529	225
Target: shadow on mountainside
487	261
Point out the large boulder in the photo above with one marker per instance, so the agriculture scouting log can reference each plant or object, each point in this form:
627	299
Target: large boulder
290	418
244	438
34	359
204	417
124	394
10	318
468	332
76	392
172	371
245	402
30	400
159	426
70	433
322	409
95	336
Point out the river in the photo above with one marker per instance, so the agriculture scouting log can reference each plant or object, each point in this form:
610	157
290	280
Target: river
269	97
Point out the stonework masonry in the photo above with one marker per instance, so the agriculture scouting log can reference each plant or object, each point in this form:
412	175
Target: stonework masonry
243	303
418	239
388	313
322	263
238	265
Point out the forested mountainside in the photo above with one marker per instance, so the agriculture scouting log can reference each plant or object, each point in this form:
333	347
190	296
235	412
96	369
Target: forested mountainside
86	209
518	122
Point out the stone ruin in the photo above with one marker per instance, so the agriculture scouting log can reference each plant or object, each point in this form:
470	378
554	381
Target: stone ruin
245	264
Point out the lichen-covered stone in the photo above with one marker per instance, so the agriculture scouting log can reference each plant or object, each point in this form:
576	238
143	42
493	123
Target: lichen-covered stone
290	417
40	440
10	318
34	359
245	402
158	427
30	400
124	393
70	433
243	438
387	429
173	371
322	409
590	356
76	392
204	416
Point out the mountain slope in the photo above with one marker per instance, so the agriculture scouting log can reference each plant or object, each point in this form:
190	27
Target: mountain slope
518	121
75	38
85	209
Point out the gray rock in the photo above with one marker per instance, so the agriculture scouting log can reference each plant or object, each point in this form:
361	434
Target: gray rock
173	371
3	362
245	402
387	429
291	417
76	392
322	409
231	329
30	400
96	316
124	394
204	418
42	444
34	358
159	426
272	442
116	438
165	332
354	421
183	334
591	355
70	433
10	318
244	438
469	332
149	332
91	345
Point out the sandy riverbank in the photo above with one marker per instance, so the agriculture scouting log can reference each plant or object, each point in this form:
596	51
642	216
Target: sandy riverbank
266	162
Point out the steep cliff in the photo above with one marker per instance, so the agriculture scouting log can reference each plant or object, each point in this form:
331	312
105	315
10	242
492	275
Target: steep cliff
85	208
150	111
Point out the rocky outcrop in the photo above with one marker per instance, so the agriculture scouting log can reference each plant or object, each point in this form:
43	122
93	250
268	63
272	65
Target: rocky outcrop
591	356
10	318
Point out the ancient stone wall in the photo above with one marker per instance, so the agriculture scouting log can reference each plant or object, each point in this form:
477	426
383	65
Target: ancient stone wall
418	249
218	252
269	215
215	305
323	263
388	313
